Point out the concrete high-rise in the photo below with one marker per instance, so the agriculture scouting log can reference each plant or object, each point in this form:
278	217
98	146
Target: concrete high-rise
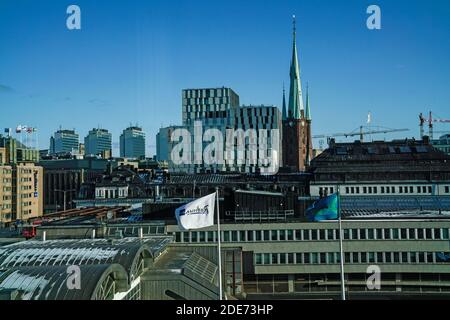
64	141
98	142
132	143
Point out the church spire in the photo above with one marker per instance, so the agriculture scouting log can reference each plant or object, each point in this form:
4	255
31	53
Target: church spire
295	89
284	105
307	110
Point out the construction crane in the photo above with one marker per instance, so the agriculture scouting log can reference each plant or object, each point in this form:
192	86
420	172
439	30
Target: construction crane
361	133
430	121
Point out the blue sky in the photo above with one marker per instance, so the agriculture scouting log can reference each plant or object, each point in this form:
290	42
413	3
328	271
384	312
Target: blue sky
131	60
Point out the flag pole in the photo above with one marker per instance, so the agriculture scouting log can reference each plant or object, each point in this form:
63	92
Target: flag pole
218	245
341	247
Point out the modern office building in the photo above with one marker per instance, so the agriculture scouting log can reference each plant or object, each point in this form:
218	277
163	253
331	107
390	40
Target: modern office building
443	143
218	109
98	142
21	192
64	141
132	143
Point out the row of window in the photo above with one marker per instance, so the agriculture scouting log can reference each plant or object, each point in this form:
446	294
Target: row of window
384	190
350	257
316	235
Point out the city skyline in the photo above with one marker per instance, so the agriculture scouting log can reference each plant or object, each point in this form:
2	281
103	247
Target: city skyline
77	82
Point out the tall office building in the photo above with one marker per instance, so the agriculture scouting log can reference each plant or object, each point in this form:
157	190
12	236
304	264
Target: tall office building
64	141
98	142
212	106
132	143
297	140
219	109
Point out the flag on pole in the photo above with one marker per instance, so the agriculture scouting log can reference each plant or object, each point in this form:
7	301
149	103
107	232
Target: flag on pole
369	118
324	209
8	131
197	214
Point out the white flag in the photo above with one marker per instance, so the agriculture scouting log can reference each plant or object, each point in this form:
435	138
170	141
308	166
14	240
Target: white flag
369	118
197	214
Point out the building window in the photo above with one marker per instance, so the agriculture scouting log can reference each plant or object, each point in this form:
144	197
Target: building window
258	258
266	235
274	259
395	234
298	258
321	234
282	235
363	234
250	235
266	258
355	257
380	257
330	234
282	258
298	235
323	257
274	235
379	234
307	235
396	257
331	258
371	234
447	189
306	258
405	257
412	234
290	235
290	258
388	257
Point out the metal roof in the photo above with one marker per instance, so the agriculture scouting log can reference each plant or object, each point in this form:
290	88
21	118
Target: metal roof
44	283
126	252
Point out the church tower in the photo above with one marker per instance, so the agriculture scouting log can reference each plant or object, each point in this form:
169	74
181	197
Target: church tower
297	141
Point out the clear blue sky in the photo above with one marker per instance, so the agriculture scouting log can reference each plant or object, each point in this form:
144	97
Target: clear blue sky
131	60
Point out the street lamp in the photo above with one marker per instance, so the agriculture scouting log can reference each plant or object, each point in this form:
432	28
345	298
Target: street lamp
64	192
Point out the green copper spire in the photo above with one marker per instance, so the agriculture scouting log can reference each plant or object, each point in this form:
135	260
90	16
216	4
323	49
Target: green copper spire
284	105
295	90
307	111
